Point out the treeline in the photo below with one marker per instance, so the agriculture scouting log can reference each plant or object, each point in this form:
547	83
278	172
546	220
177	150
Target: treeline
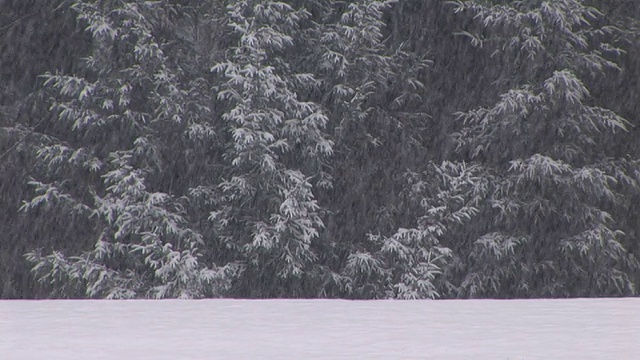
364	149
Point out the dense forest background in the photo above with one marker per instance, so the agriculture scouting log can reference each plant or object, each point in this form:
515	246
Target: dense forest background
318	148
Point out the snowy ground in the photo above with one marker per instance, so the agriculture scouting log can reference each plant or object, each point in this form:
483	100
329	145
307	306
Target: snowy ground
606	329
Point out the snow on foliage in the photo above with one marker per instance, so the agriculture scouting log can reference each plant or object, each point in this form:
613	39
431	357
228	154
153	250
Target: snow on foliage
330	149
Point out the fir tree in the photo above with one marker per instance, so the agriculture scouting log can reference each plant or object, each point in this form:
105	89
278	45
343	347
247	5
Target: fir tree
269	216
118	126
551	233
362	149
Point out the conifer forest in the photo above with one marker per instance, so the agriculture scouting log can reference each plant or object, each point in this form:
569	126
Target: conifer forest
365	149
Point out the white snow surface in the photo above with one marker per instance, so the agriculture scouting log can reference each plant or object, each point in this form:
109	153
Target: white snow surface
581	329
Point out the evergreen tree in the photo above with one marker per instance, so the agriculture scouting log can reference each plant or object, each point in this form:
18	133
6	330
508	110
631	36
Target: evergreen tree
370	89
551	232
410	263
117	128
269	215
364	149
35	36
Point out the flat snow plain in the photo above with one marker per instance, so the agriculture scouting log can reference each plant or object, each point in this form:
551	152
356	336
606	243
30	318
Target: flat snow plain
581	329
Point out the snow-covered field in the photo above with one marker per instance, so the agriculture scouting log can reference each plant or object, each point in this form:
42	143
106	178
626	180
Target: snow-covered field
581	329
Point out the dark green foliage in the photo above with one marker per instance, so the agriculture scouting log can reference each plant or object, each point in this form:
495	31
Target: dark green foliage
364	149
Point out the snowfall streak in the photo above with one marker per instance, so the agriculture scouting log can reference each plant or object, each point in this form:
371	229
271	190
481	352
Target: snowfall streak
321	329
